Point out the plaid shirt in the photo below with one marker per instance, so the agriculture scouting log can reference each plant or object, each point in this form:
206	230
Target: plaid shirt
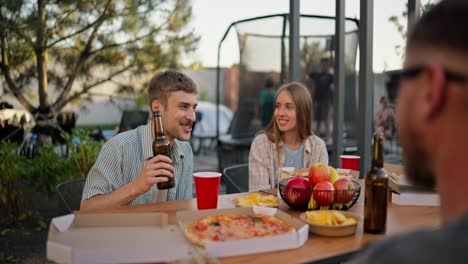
264	166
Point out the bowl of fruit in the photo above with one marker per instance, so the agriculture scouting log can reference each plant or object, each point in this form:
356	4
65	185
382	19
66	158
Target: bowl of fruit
323	189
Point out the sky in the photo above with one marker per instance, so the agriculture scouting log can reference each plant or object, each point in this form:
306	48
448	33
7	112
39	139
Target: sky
211	19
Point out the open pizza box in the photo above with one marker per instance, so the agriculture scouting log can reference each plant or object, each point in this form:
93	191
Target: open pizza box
115	238
396	176
397	180
255	245
404	192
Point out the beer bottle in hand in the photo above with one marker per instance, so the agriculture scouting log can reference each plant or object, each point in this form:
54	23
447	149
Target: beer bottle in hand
161	147
375	203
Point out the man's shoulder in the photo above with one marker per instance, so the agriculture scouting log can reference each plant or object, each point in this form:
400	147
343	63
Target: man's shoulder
444	245
128	137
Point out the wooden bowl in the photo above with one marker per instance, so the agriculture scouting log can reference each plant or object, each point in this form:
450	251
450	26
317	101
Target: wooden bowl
335	230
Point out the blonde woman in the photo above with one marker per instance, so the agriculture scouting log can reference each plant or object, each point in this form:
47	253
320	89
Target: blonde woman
287	141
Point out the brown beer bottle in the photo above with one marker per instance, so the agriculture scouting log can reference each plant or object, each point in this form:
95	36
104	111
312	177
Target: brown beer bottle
161	147
375	203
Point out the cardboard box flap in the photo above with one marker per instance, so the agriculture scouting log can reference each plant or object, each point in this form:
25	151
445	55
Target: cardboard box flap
395	168
90	221
398	181
416	198
63	223
264	210
250	246
117	238
121	220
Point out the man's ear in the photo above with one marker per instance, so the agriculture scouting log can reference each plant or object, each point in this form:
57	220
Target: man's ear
436	94
156	106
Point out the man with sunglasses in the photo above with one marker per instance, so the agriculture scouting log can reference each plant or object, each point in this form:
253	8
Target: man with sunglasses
432	116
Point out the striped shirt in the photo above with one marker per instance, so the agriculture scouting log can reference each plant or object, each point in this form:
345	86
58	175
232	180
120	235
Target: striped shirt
264	166
122	159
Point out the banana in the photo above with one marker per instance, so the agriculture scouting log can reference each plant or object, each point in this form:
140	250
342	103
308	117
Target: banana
348	205
312	203
338	206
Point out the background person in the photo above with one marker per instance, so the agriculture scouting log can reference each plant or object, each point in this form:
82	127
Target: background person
384	120
266	102
323	96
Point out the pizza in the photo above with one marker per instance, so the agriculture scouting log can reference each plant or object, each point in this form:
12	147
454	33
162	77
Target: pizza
225	227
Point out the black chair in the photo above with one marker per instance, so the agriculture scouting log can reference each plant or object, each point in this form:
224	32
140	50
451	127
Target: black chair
132	119
70	192
237	178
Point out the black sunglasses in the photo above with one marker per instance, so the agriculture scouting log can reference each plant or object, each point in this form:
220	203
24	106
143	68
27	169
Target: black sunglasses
415	71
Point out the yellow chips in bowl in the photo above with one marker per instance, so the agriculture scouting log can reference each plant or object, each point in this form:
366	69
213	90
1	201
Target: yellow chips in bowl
257	199
330	218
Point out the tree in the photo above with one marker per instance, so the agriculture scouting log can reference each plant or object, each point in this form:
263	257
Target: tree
67	48
401	27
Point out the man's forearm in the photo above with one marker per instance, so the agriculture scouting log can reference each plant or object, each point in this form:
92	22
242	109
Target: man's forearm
120	197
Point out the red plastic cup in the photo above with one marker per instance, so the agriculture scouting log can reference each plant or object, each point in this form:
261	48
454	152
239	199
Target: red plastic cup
350	162
207	189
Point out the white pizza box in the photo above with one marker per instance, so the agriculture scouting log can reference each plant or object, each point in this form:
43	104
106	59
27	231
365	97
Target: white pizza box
420	198
256	245
115	238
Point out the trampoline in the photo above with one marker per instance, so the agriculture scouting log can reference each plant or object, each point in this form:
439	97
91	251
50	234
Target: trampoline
263	52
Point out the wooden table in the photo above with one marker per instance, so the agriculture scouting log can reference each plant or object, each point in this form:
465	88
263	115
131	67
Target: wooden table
400	219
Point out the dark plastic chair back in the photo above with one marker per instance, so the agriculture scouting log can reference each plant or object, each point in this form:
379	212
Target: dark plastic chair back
133	119
70	193
237	178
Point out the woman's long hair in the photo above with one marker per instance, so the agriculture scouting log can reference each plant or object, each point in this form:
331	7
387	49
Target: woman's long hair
303	102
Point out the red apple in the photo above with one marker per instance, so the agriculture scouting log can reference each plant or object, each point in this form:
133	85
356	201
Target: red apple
298	192
323	193
319	172
344	190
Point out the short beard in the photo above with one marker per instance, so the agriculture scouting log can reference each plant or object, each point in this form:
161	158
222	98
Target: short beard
416	161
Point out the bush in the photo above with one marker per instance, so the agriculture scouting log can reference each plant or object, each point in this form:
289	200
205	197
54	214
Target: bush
10	164
83	152
42	174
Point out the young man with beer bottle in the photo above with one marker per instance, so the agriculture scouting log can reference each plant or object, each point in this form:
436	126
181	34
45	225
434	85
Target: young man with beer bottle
127	170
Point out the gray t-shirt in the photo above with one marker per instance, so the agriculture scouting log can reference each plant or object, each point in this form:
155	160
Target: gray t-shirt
294	158
448	244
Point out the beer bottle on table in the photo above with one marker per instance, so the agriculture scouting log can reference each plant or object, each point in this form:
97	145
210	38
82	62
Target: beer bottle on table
375	203
161	147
